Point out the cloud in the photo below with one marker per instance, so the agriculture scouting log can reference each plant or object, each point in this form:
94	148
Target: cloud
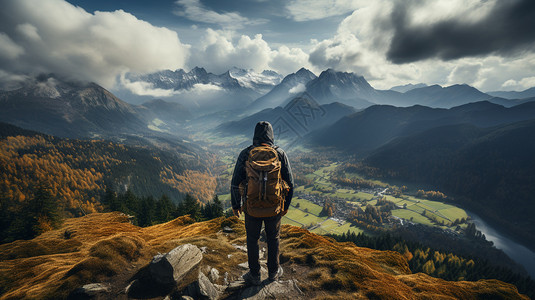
196	11
309	10
8	49
475	28
54	36
363	40
524	83
143	88
220	50
297	89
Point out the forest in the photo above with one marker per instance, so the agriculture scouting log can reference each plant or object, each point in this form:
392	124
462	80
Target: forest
439	263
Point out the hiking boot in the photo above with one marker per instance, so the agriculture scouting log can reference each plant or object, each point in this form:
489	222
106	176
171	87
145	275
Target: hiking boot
251	279
276	275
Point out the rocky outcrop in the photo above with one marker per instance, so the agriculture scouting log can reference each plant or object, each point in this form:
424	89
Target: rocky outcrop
90	291
169	268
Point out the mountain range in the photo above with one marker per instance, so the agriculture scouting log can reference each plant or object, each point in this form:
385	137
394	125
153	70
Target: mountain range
364	131
299	116
201	91
489	169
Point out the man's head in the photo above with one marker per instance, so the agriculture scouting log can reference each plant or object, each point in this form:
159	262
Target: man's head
263	133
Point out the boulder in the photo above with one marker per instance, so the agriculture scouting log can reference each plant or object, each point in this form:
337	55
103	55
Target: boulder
90	291
169	268
214	275
271	290
204	289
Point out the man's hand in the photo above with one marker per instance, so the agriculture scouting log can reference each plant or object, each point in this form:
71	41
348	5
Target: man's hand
284	212
237	212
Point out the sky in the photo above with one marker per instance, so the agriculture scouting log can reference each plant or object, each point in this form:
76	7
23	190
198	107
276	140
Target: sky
489	44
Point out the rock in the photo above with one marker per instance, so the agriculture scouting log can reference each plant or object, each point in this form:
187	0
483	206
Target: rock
204	289
214	275
272	290
227	229
90	291
225	280
171	267
242	248
207	288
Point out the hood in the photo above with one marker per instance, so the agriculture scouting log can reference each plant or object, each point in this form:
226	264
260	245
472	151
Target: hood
263	133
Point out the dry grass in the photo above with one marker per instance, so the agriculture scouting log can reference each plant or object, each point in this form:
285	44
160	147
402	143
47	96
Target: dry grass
105	247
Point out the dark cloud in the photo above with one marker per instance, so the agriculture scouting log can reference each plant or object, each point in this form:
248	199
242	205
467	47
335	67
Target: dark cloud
509	28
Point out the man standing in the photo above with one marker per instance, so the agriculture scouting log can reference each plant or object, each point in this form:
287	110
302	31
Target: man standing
263	183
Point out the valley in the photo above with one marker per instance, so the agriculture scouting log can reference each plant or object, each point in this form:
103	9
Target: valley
366	170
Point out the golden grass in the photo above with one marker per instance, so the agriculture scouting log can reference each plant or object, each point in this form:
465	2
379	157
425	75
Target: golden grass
103	247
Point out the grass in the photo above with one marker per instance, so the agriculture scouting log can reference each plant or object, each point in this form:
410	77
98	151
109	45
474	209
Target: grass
307	205
112	250
408	214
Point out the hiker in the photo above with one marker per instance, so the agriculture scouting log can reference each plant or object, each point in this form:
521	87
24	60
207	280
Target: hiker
262	182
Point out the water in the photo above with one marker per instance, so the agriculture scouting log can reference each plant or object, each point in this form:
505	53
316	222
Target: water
520	254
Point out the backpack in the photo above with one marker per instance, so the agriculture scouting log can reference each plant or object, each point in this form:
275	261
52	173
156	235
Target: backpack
265	188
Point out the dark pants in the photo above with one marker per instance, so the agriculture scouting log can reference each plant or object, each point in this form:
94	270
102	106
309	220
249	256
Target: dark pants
253	226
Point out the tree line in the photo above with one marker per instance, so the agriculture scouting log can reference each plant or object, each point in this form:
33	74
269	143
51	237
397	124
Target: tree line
434	262
150	211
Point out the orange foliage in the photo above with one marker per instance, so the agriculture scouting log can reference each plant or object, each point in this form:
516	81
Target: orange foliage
100	247
199	185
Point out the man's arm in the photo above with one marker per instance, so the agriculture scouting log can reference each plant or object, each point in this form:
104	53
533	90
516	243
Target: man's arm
238	176
286	174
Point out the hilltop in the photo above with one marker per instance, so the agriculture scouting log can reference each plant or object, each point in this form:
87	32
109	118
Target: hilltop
106	247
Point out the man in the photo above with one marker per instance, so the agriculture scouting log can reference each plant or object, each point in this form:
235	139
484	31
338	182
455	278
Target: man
257	189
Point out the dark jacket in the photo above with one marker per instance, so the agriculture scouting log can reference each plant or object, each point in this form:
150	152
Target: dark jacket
263	133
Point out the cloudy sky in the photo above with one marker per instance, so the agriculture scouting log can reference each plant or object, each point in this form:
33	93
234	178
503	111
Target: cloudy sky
489	44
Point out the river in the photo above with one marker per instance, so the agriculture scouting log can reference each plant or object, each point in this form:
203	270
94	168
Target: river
520	254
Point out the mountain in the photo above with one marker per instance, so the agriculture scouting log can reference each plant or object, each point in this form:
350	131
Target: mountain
375	126
301	115
261	83
106	248
164	116
443	97
347	88
200	91
80	170
490	170
291	85
529	93
69	109
407	87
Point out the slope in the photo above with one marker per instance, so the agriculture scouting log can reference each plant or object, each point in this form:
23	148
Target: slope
106	248
375	126
490	170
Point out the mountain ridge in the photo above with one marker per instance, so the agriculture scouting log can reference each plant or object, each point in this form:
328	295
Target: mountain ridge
107	248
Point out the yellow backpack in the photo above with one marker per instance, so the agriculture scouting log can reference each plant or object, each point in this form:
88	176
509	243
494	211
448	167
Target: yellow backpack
265	188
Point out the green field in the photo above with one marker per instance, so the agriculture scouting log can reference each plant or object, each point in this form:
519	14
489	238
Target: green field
307	214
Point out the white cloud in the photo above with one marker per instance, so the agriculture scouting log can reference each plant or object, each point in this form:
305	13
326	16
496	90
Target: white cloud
297	89
220	50
196	11
363	38
8	49
307	10
143	88
55	36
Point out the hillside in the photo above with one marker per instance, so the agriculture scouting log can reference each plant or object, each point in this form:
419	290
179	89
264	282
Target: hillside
69	109
77	172
364	131
302	114
106	248
490	170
